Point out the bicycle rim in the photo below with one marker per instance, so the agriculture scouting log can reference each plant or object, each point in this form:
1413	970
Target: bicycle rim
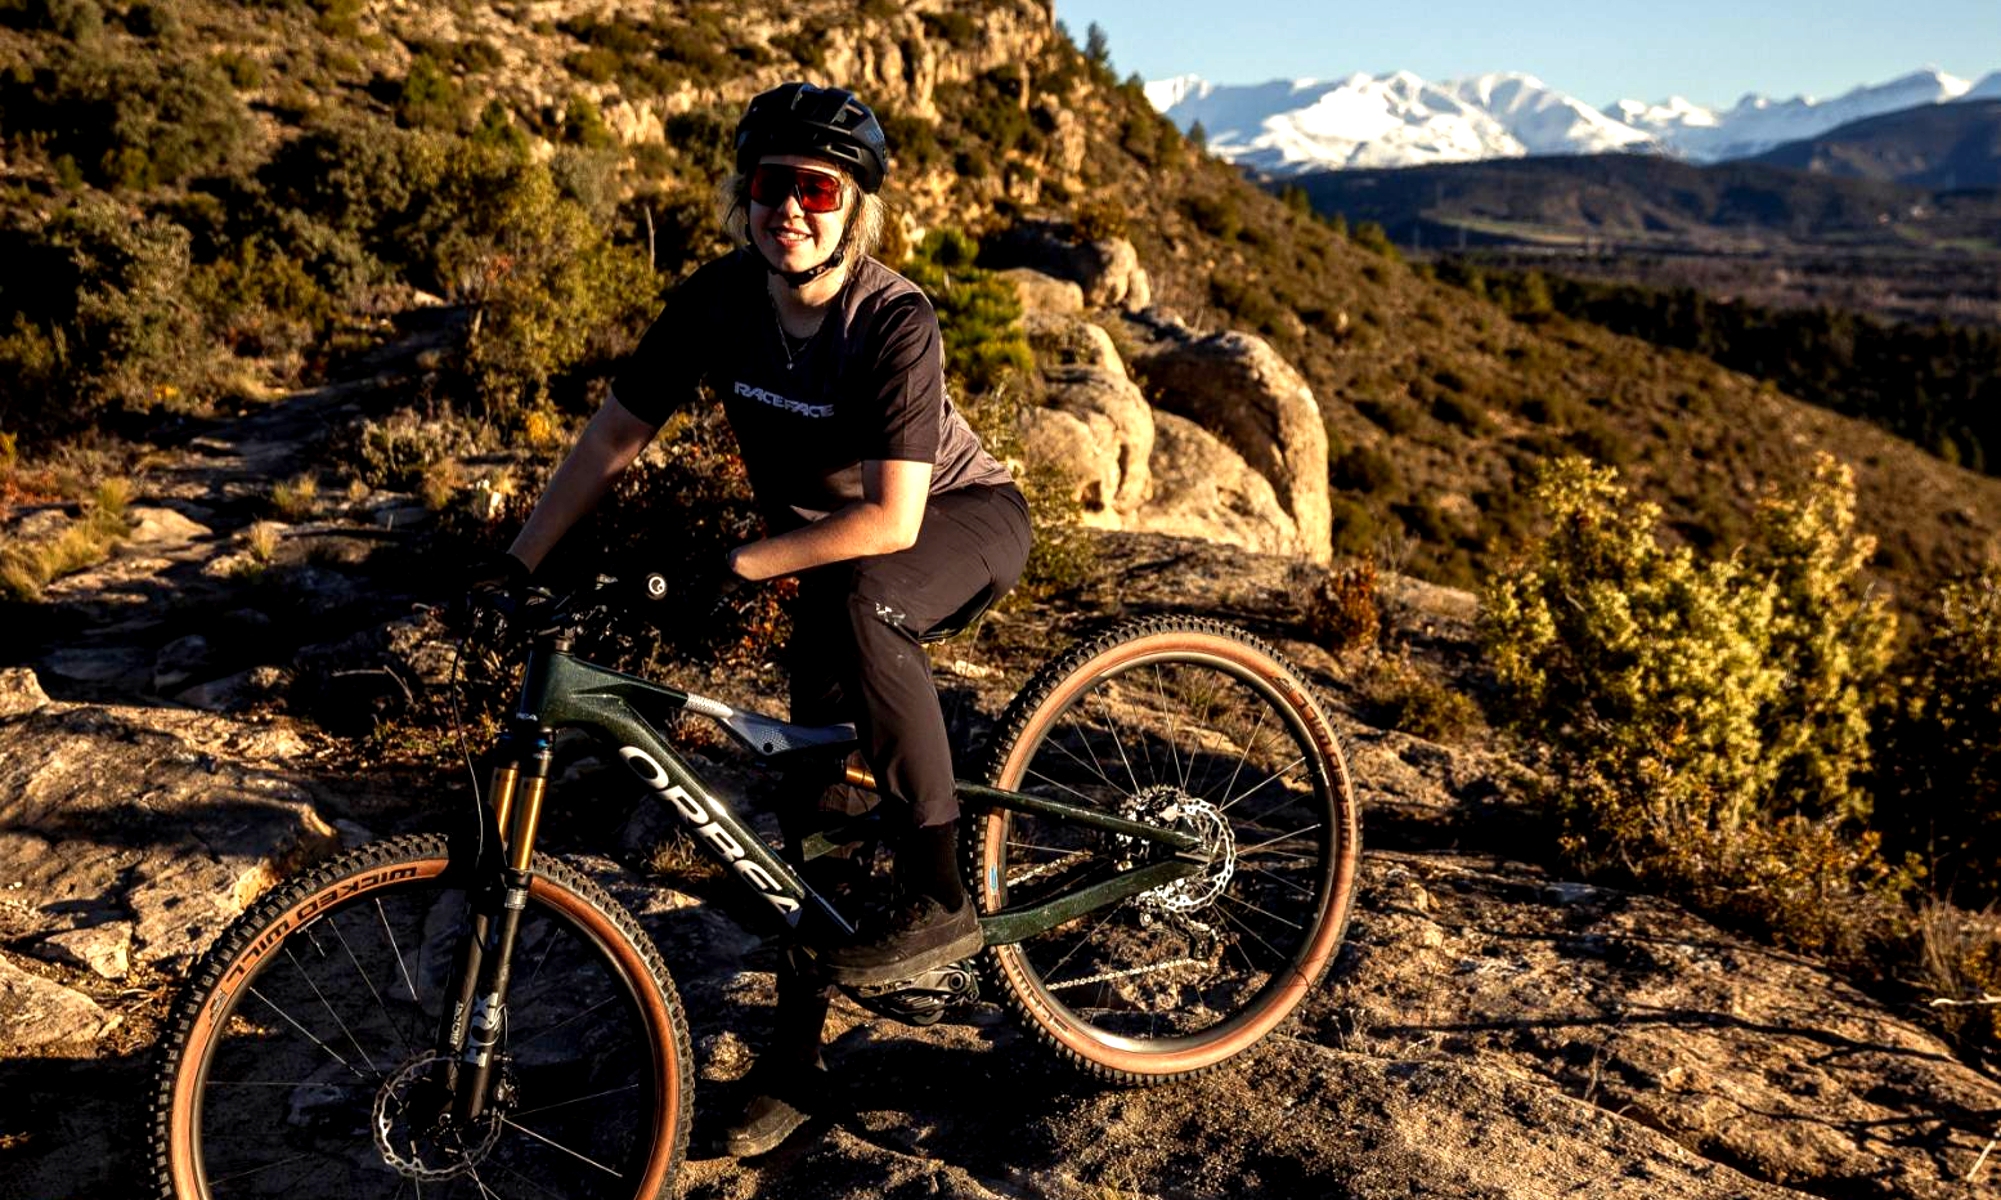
1197	726
302	1063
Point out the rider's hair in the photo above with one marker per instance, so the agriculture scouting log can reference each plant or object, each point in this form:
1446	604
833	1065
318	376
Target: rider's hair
865	225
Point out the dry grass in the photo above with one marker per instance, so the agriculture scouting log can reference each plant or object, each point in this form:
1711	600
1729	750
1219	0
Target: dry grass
26	568
262	542
1959	961
440	482
1408	695
295	499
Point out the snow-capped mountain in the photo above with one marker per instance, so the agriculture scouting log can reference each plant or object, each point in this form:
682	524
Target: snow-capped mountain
1399	119
1387	121
1757	124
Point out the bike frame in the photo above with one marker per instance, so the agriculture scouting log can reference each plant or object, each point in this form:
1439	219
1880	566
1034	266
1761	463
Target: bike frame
561	691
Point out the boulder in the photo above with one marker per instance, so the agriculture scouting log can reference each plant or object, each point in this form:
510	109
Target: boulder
104	949
1041	293
238	692
168	819
20	692
1237	387
158	529
41	1012
1068	340
1096	426
1108	272
179	660
1203	489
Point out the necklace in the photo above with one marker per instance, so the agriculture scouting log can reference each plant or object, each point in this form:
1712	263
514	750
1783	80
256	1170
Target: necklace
793	348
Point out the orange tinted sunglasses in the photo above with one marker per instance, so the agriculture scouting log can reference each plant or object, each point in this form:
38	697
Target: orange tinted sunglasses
818	191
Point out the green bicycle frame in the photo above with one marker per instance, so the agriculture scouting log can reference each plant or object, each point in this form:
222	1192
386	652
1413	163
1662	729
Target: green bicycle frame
563	691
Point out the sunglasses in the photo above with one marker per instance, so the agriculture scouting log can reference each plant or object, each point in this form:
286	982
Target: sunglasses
818	191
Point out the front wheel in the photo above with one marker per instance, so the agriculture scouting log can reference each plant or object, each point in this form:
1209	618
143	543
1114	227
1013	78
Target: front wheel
1197	725
301	1060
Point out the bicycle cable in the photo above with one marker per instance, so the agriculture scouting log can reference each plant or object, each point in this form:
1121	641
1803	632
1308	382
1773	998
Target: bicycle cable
465	749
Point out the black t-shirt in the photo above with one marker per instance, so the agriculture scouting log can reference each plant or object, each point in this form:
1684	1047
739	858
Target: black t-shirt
869	385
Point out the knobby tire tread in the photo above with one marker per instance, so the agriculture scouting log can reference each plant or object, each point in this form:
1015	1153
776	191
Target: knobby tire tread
246	928
1015	721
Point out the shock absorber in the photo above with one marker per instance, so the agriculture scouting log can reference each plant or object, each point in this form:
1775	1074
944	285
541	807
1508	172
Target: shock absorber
488	1020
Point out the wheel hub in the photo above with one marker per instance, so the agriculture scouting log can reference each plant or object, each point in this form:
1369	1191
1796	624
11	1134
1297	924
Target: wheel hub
415	1131
1170	806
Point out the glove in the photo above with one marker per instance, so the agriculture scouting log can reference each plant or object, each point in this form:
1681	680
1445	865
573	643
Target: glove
492	584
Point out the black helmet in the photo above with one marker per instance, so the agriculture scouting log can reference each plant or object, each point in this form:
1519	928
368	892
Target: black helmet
830	123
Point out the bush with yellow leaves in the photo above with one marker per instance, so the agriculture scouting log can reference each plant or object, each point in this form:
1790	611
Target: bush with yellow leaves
1706	721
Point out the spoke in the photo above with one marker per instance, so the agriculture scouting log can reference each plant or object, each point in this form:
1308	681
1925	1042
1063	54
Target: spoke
1278	774
560	1146
1307	892
334	922
1283	837
516	1046
1267	912
1173	755
1118	740
481	1183
351	1039
1089	801
1085	939
554	935
283	1162
1239	923
1044	849
1208	707
400	964
1246	752
1093	766
630	1087
523	1178
308	1033
287	1083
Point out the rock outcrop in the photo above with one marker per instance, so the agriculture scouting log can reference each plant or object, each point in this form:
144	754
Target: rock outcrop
132	835
1202	488
1093	423
1107	270
1237	387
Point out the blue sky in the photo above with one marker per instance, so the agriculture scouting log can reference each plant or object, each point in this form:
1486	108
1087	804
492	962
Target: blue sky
1711	51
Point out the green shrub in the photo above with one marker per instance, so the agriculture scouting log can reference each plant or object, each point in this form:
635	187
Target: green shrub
1405	695
1691	711
99	324
429	97
978	311
549	290
1364	469
1941	771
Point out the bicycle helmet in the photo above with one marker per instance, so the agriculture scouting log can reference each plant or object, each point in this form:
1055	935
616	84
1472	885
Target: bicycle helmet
829	123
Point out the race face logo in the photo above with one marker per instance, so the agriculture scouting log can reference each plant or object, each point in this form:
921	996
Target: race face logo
705	826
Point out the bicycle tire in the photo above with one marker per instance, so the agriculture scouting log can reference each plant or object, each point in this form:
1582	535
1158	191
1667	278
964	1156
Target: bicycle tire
354	957
1150	1017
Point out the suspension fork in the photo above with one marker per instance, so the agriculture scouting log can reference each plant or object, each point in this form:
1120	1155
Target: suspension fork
476	1018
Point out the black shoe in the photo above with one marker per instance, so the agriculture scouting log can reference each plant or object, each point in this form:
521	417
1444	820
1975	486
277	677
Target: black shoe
908	939
777	1108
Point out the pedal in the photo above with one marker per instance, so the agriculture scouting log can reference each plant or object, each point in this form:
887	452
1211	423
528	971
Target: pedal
923	999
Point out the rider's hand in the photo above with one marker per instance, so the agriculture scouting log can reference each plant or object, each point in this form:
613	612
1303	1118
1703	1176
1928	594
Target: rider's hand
494	582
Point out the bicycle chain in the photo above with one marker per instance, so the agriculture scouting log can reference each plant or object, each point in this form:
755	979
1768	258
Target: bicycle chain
1111	975
1048	868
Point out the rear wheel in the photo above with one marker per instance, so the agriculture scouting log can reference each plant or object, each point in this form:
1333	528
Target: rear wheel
301	1059
1197	725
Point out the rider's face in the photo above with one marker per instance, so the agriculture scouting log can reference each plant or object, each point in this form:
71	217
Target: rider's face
791	237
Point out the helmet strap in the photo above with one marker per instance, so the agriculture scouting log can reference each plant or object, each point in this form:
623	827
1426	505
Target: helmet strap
798	279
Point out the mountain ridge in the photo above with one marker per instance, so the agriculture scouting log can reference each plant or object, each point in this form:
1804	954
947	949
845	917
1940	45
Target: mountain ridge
1400	119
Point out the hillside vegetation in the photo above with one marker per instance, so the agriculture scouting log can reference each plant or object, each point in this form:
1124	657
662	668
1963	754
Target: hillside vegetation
209	203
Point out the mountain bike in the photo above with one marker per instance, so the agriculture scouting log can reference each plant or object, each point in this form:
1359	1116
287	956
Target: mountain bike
1162	849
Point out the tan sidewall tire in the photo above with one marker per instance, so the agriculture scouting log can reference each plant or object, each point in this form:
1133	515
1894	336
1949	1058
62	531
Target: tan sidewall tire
661	1010
1021	732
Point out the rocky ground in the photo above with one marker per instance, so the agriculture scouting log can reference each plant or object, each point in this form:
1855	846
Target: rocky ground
1488	1031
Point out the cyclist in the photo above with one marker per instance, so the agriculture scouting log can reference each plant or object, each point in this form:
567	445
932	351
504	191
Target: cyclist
874	490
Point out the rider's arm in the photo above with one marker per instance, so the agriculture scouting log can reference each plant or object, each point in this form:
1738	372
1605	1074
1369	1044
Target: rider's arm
609	443
883	521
